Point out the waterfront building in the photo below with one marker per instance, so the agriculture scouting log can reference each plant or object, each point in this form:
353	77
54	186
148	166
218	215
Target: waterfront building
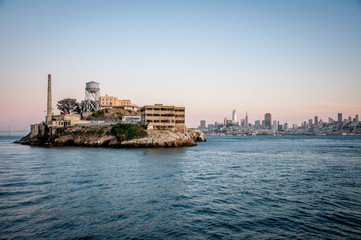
268	120
234	116
163	117
339	117
202	124
109	102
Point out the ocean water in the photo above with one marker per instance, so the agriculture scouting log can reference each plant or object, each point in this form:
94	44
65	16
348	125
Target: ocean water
252	187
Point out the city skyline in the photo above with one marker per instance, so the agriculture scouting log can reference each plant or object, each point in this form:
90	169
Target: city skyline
340	117
295	60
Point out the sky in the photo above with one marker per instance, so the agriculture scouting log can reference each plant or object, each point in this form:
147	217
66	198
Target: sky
293	59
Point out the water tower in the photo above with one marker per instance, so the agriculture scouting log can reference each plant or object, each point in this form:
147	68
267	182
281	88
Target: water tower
92	93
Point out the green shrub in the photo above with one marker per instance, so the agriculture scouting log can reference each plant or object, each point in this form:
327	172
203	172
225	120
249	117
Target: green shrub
93	131
120	116
100	132
60	130
100	113
125	132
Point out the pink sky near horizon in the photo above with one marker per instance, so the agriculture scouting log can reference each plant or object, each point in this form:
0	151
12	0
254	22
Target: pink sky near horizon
293	59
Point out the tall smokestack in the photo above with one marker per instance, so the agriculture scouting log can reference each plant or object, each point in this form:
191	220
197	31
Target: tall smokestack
49	107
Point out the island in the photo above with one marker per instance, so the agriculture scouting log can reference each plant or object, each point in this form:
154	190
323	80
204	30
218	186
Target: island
114	136
106	121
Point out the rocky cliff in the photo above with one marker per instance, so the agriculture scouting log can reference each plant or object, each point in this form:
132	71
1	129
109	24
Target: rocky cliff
106	136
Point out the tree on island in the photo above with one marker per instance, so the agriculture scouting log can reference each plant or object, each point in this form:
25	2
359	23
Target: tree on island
69	105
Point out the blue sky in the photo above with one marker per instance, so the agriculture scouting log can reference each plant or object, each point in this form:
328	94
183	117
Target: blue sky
295	59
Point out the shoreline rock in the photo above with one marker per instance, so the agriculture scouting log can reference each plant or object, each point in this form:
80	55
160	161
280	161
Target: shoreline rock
100	136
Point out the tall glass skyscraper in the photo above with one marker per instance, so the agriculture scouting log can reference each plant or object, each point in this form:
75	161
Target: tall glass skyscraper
234	116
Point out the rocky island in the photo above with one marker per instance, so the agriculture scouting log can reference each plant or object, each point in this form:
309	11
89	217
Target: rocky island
106	121
115	136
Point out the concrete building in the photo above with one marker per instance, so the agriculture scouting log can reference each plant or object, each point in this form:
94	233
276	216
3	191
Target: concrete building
163	117
131	119
316	120
202	126
257	124
268	120
66	120
339	117
109	102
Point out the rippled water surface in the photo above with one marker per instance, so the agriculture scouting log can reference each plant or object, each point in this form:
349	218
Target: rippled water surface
229	187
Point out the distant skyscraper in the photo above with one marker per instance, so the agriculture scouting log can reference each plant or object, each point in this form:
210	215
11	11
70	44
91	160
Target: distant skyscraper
257	124
316	120
275	125
268	120
356	118
243	122
203	124
339	117
285	126
234	116
246	121
310	122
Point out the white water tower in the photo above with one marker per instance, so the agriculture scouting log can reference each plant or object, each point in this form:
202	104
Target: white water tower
92	93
